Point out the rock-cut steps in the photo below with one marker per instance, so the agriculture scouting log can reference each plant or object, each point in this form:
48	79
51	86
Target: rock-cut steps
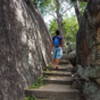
58	85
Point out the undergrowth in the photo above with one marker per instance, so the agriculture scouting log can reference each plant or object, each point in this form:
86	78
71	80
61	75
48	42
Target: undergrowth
39	82
48	67
30	98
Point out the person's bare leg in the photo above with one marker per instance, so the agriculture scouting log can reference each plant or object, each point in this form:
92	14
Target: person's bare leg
53	62
57	61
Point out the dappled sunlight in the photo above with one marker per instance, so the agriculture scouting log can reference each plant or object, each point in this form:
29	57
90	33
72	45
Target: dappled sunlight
19	13
18	5
24	38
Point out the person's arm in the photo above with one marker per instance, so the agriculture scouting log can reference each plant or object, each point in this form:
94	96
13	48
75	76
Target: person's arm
51	46
62	42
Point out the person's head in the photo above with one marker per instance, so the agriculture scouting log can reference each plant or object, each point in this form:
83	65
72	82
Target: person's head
57	32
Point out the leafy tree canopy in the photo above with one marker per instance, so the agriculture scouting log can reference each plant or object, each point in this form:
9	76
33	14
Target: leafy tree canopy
70	28
82	5
42	4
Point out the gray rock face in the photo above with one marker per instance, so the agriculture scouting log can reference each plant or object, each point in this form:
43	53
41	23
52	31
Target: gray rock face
24	47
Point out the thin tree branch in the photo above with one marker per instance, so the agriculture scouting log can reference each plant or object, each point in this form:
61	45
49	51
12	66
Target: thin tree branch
67	9
52	15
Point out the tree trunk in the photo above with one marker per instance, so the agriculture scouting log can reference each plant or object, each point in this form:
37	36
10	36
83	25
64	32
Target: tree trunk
59	18
24	47
88	40
97	45
88	51
77	11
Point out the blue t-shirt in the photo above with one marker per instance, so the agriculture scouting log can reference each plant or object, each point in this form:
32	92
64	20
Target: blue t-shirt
57	40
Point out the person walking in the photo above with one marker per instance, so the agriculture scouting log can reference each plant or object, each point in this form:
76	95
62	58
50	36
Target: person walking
56	46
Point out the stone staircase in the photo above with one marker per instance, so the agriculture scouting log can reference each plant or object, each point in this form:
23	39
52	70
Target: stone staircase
58	84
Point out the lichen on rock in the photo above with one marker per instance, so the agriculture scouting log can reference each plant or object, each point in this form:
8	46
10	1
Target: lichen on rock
90	87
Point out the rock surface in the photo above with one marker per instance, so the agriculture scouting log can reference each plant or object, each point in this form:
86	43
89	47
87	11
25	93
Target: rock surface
24	47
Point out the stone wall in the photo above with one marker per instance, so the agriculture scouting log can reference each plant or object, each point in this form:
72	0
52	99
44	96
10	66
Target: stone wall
24	47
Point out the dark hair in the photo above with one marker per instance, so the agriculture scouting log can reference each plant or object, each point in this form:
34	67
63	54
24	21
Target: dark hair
57	32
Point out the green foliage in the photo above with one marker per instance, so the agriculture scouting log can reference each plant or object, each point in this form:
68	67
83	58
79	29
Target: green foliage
53	27
82	7
70	28
49	7
42	5
39	82
30	98
49	66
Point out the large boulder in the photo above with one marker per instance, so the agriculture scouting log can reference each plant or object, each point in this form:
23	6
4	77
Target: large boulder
24	47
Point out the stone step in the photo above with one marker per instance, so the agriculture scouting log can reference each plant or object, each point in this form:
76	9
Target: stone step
65	56
54	92
56	73
58	80
64	61
68	67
